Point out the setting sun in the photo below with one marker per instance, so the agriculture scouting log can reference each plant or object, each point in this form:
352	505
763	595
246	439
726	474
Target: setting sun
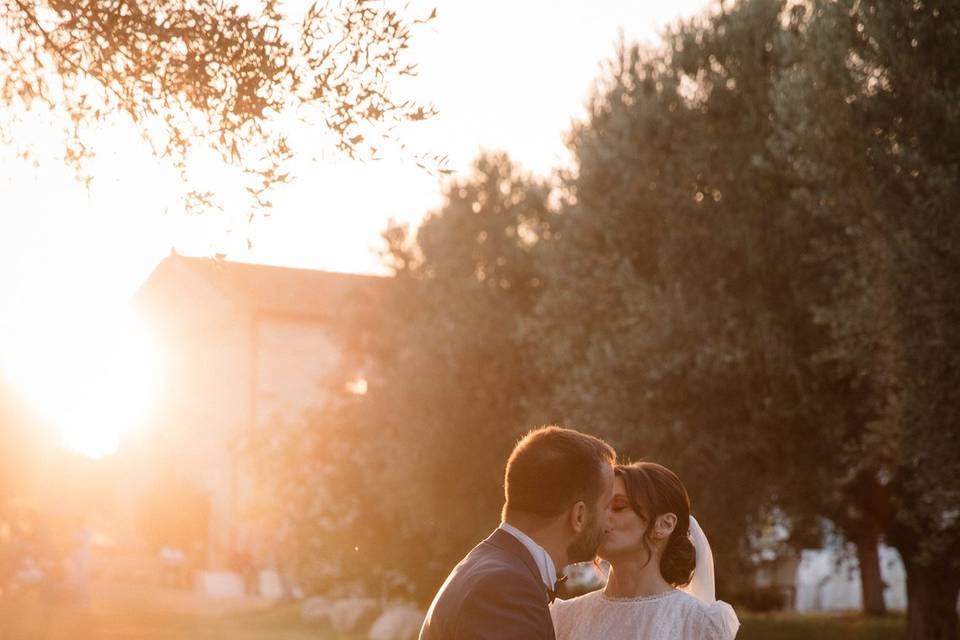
92	379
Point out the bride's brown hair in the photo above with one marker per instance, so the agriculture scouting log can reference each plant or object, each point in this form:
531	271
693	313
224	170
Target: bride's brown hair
652	491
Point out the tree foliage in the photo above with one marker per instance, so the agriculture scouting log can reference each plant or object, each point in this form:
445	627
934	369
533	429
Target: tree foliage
198	74
751	276
690	342
876	132
761	255
390	488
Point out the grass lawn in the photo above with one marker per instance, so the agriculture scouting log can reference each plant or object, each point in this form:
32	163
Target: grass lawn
27	621
784	626
31	623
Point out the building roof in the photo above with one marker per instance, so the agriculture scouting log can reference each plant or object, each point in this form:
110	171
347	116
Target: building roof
273	290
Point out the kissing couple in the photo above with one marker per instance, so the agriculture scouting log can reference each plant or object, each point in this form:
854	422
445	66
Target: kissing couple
568	501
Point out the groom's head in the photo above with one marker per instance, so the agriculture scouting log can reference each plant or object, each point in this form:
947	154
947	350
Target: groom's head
561	478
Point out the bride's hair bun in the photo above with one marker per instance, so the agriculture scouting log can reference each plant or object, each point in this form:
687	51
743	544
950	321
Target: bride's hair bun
679	559
654	490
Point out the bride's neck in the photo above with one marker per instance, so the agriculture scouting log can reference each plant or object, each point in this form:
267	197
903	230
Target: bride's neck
633	579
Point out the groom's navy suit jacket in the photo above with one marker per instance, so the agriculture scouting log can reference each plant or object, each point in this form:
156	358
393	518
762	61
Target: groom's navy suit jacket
495	593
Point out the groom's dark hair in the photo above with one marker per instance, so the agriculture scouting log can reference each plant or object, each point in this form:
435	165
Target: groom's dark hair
551	468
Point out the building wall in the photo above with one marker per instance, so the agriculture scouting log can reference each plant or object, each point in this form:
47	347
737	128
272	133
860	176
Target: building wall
297	360
202	406
830	581
228	370
211	400
241	372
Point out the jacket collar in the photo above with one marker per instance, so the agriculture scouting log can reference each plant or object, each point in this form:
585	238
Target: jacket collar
507	542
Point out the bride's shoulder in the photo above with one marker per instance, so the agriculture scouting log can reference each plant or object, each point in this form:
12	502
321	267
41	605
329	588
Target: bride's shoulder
720	621
716	620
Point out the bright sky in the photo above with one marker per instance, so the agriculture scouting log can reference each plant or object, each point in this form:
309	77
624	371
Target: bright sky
505	76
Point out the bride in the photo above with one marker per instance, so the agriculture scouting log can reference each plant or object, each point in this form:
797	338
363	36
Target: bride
661	582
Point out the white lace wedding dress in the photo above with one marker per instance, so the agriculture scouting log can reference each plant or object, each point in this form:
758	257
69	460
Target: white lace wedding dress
690	613
674	615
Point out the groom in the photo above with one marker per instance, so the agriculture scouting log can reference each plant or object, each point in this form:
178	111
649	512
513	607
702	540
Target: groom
558	485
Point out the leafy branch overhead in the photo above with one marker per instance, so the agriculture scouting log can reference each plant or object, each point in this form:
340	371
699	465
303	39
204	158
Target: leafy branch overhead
198	74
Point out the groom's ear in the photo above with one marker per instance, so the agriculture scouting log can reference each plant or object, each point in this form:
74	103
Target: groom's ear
578	516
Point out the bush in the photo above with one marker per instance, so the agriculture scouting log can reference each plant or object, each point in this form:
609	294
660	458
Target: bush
760	599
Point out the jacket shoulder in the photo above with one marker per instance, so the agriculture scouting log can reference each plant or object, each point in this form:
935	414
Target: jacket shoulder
490	594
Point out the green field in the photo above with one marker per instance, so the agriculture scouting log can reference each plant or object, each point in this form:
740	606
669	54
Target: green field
21	621
796	627
31	623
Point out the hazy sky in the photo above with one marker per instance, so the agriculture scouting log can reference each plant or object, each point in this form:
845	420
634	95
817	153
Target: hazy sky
504	75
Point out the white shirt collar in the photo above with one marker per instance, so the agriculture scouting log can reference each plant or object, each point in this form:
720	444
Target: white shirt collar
548	571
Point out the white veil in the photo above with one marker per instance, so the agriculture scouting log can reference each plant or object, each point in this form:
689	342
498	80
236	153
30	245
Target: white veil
702	585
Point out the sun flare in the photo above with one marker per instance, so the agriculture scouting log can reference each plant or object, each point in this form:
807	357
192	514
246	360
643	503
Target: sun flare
93	380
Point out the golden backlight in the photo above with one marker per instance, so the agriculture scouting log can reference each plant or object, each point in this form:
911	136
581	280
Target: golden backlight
94	379
65	247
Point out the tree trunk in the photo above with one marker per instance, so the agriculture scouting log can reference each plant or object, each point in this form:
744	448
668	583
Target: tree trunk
931	601
871	580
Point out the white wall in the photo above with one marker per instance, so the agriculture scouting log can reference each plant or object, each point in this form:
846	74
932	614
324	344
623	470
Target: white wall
830	581
295	360
227	371
205	405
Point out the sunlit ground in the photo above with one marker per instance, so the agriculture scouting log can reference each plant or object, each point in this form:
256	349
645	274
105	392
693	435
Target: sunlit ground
27	620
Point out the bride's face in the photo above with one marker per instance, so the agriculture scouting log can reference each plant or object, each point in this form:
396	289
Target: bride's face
626	530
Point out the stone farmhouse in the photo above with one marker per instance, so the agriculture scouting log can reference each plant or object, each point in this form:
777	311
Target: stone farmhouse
246	346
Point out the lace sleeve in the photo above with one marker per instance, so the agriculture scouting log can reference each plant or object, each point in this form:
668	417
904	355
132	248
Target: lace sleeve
721	622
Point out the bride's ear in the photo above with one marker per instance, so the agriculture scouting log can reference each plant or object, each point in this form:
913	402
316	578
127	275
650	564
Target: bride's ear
578	516
664	525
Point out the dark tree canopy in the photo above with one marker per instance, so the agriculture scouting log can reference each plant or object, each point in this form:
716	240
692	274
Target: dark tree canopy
751	276
203	74
448	382
757	276
873	130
